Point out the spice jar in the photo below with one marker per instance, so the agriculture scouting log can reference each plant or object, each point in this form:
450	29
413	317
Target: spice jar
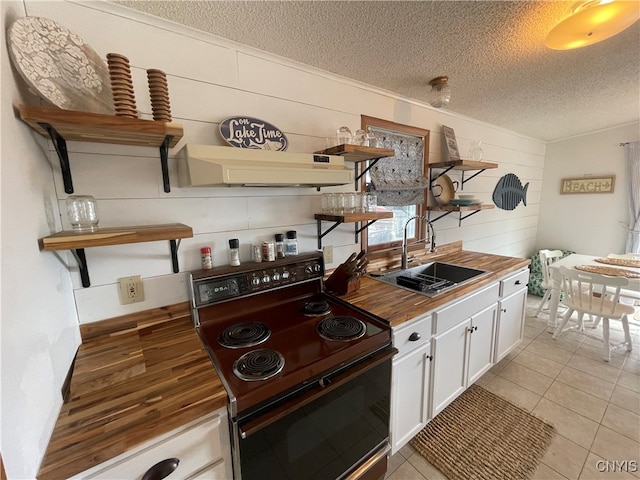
291	244
268	251
234	252
205	255
279	245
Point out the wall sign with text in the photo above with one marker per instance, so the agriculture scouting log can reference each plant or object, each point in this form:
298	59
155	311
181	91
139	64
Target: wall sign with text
599	184
249	132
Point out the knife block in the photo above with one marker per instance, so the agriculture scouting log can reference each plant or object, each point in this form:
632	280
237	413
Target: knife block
341	282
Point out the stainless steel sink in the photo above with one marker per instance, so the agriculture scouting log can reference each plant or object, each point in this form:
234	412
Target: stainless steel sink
430	279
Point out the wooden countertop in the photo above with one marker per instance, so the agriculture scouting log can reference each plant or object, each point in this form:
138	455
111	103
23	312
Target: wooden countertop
397	305
136	377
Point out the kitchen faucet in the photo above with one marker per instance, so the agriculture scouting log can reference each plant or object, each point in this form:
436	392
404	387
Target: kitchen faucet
404	239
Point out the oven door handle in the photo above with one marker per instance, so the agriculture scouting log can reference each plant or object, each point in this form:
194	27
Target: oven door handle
322	387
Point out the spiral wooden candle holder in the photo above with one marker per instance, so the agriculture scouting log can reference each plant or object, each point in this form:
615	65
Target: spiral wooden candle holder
124	99
159	92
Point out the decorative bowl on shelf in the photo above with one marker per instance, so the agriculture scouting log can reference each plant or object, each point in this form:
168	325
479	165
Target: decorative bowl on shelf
459	202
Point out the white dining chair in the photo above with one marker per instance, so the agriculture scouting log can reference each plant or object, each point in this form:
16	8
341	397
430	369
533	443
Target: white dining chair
547	257
582	293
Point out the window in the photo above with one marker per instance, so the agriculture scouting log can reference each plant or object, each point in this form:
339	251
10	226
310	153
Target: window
400	183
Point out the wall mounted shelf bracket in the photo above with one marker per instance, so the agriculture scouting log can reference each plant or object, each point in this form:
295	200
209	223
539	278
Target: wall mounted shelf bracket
164	162
60	144
460	216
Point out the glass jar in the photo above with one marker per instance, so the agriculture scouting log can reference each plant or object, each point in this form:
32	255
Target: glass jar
279	245
82	211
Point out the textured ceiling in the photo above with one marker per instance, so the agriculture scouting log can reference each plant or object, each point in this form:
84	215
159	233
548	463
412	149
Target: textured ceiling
499	70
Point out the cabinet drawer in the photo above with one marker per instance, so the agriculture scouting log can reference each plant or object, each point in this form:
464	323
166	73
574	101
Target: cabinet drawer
194	446
463	309
412	334
514	282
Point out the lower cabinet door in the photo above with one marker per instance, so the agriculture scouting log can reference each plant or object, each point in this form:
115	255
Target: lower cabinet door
411	377
510	323
449	354
481	343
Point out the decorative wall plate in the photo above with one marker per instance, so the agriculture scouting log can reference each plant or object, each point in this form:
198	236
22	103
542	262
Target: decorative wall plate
59	67
249	132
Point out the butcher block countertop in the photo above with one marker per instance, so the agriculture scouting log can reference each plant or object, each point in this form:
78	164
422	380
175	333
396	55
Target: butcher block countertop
397	305
135	377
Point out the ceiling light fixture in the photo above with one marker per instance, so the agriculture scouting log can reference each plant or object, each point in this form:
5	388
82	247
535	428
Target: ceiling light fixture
592	22
440	92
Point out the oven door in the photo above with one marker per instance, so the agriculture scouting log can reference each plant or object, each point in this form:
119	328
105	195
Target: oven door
337	428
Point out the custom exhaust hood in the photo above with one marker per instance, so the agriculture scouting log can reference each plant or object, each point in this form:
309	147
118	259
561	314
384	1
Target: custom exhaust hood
208	165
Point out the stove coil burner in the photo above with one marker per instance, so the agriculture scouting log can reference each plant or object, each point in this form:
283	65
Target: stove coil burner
244	335
316	309
341	328
258	365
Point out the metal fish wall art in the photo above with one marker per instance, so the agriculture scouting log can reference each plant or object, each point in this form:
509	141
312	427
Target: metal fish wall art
509	192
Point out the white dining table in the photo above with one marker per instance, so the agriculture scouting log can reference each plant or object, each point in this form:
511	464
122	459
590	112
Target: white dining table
571	261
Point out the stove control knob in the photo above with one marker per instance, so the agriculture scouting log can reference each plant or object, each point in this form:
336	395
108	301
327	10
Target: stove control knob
266	279
276	276
255	281
285	275
308	269
316	268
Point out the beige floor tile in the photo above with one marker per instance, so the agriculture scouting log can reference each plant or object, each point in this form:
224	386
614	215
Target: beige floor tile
499	366
514	393
394	463
407	450
597	468
406	471
569	424
567	341
539	364
486	378
544	472
597	368
596	352
612	446
627	399
586	382
549	351
577	401
629	381
622	421
632	366
527	378
427	470
565	457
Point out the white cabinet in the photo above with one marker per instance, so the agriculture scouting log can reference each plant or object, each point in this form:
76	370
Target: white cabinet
410	381
201	447
511	313
463	345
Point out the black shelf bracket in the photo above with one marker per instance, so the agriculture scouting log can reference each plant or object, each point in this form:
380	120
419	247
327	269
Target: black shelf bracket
80	257
472	176
460	216
60	145
164	162
320	234
174	245
364	227
466	216
361	174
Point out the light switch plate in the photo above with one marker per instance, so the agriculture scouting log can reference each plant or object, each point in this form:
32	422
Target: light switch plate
327	250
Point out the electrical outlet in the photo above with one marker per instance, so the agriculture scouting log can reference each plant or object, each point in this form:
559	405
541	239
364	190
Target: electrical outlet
131	290
327	250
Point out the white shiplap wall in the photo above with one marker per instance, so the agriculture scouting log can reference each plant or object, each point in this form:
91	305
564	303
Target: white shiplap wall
209	80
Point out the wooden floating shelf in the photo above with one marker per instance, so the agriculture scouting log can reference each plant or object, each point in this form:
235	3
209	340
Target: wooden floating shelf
358	153
63	125
77	241
460	208
100	128
367	218
464	165
70	239
353	217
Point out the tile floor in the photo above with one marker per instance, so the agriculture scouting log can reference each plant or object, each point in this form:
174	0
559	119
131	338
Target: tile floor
594	405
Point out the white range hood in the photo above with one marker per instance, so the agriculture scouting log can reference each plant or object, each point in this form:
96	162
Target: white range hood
208	165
